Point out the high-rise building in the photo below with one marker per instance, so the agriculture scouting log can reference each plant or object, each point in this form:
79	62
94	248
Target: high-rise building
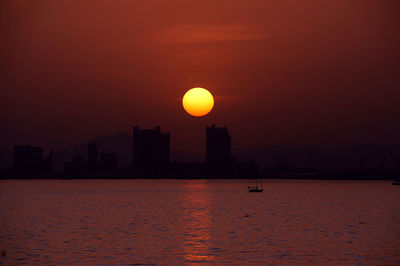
92	153
27	157
150	146
218	149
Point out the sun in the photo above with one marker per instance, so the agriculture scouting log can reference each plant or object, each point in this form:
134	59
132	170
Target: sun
198	102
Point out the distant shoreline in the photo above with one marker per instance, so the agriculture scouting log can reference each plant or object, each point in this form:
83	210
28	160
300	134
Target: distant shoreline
204	178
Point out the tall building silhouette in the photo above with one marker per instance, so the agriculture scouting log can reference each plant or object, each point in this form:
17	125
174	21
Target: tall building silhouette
27	157
92	153
150	146
218	149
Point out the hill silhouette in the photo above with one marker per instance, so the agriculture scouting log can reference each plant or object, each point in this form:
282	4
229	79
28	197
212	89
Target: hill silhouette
373	156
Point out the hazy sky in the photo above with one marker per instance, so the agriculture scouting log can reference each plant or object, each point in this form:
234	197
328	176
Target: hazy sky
290	72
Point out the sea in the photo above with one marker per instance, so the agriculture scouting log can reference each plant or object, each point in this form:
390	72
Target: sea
199	222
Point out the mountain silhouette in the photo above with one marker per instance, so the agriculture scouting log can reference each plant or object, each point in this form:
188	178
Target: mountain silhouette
373	156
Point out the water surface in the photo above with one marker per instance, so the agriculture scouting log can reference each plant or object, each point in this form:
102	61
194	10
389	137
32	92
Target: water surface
178	222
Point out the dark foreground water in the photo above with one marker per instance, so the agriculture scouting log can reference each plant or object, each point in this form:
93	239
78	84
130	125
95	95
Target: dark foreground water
171	222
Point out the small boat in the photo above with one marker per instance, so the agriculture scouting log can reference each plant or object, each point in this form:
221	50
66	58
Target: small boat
257	188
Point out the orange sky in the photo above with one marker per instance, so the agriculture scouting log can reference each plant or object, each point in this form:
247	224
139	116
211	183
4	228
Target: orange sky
291	72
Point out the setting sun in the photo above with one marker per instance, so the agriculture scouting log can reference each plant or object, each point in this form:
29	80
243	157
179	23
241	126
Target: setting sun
198	102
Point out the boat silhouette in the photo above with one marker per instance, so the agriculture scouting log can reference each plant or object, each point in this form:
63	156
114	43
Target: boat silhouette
257	188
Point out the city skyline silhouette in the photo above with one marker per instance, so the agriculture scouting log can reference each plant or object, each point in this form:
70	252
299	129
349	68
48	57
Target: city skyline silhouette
150	158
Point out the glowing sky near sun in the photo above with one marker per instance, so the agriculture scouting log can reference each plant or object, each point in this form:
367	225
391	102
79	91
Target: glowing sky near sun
307	72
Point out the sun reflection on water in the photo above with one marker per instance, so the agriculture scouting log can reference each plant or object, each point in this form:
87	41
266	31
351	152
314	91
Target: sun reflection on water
197	222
